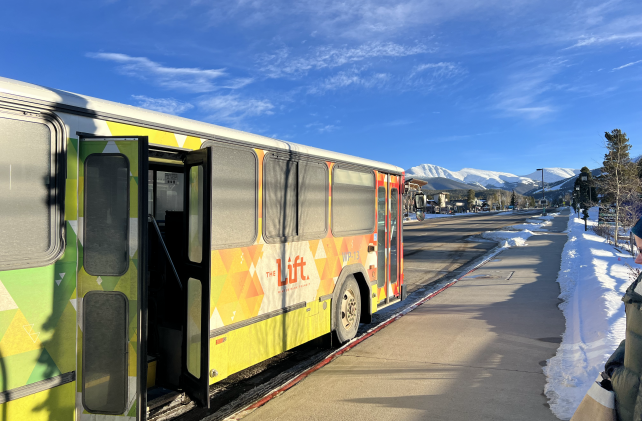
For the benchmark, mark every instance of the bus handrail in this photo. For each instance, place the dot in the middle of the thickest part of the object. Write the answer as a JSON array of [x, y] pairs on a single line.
[[169, 259]]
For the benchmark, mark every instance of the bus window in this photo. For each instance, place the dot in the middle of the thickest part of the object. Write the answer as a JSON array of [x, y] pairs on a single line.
[[106, 214], [353, 202], [393, 235], [26, 189], [296, 200], [195, 243], [104, 360], [280, 199], [313, 200], [234, 196]]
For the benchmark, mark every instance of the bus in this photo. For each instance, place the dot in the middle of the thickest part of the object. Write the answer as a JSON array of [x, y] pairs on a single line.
[[141, 250]]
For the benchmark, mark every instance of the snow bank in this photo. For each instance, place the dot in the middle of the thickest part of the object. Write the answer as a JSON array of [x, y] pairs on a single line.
[[593, 278], [508, 238]]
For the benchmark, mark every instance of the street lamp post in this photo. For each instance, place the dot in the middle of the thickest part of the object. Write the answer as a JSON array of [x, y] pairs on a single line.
[[543, 197], [585, 179]]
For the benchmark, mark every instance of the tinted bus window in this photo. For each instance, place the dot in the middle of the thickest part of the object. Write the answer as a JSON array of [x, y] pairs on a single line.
[[106, 214], [234, 197], [281, 215], [25, 182], [313, 199], [195, 230], [353, 202], [104, 360]]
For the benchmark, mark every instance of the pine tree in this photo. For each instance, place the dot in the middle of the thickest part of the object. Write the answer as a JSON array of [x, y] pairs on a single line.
[[513, 199], [471, 199], [619, 180]]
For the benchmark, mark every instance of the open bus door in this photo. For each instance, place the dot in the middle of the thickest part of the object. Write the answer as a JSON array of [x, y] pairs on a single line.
[[196, 264], [111, 276]]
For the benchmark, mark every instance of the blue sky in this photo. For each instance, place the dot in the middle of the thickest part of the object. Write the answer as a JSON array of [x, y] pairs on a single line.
[[491, 84]]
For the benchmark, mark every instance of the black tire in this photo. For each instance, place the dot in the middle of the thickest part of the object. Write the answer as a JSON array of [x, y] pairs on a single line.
[[347, 310]]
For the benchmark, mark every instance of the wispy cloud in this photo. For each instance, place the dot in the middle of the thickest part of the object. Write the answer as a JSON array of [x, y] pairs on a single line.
[[283, 63], [627, 65], [350, 78], [322, 128], [164, 105], [596, 40], [422, 77], [188, 79], [524, 94], [234, 108]]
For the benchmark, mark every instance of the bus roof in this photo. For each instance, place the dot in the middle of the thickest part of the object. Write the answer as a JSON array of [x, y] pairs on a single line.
[[170, 122]]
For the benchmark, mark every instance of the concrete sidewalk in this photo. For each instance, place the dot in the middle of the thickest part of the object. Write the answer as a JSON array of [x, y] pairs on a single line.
[[474, 352]]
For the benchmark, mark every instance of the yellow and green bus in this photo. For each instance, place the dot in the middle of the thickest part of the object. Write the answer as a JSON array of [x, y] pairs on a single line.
[[141, 250]]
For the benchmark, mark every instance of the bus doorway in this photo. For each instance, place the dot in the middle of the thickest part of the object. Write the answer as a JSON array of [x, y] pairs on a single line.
[[388, 225]]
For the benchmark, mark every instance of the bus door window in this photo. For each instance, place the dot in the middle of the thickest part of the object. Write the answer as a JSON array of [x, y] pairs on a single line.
[[394, 227], [381, 237]]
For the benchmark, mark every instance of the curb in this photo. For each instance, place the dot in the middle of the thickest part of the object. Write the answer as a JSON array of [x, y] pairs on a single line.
[[351, 344]]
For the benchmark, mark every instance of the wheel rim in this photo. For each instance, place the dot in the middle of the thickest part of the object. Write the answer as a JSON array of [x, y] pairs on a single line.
[[348, 309]]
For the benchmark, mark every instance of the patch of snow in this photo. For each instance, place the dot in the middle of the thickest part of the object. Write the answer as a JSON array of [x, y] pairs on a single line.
[[593, 278], [508, 238]]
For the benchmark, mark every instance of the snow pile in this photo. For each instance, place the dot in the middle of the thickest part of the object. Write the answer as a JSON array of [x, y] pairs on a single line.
[[593, 278], [533, 226], [508, 238]]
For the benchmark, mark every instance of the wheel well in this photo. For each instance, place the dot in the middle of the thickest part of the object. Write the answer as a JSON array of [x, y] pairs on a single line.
[[357, 270], [364, 290]]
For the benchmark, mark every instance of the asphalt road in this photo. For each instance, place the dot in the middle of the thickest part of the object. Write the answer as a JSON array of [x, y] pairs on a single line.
[[436, 248]]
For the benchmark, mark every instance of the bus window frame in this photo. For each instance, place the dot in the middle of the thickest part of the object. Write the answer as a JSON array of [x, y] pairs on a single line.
[[58, 176]]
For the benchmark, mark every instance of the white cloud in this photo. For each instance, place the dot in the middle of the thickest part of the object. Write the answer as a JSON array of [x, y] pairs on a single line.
[[189, 79], [351, 78], [233, 108], [628, 64], [164, 105], [283, 64]]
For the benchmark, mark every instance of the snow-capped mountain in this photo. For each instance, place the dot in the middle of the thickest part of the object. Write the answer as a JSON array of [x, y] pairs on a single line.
[[492, 179], [552, 175]]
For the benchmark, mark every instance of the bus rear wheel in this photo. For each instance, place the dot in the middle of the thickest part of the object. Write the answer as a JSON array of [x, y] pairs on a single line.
[[347, 311]]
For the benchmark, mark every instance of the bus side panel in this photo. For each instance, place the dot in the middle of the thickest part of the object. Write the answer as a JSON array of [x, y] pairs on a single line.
[[242, 348], [38, 326]]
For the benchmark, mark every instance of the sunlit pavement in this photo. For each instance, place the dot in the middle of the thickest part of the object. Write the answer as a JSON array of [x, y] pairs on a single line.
[[474, 352]]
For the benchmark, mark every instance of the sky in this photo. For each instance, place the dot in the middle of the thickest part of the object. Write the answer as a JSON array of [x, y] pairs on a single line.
[[490, 84]]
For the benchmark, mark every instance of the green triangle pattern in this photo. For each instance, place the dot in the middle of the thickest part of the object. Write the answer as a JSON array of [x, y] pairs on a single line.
[[45, 368], [109, 282]]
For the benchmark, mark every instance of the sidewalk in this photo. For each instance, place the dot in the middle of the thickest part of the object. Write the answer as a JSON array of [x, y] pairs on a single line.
[[475, 351]]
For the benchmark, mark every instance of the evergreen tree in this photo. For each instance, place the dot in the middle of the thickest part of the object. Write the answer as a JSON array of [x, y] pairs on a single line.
[[619, 179], [513, 199], [471, 199]]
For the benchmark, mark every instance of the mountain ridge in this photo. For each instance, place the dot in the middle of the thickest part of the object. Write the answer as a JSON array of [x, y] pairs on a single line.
[[492, 179]]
